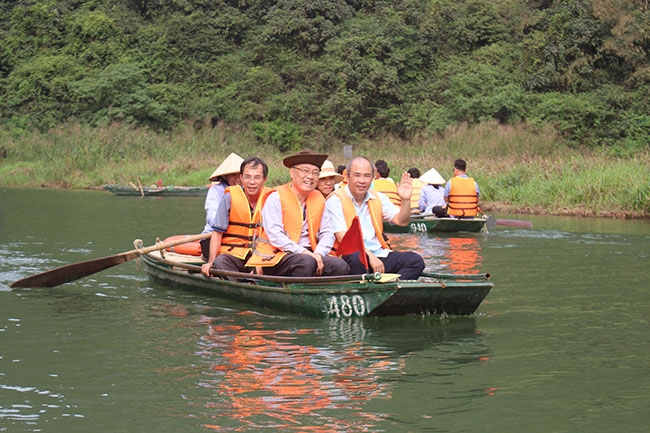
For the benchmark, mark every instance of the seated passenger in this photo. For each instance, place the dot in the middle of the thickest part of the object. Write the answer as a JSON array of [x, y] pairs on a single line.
[[328, 178], [433, 193], [385, 184], [237, 220], [417, 189], [461, 194], [297, 234], [227, 174], [372, 207]]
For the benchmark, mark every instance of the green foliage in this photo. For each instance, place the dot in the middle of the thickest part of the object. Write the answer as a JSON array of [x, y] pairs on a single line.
[[563, 49], [120, 93], [345, 69], [284, 136], [305, 26], [39, 89], [576, 117], [94, 38]]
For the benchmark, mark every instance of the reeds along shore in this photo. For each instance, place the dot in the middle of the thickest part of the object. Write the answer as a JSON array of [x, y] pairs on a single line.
[[518, 169]]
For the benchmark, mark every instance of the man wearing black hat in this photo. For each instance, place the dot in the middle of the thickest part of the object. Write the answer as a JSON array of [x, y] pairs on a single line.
[[297, 234]]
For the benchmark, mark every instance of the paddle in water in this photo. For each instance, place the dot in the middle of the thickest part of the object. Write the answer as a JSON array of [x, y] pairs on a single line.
[[75, 271], [493, 222]]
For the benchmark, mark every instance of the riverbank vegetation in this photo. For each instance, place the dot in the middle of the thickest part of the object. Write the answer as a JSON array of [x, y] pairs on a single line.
[[519, 169], [548, 100]]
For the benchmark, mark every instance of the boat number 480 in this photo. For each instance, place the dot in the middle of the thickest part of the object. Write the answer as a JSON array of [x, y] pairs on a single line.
[[346, 306]]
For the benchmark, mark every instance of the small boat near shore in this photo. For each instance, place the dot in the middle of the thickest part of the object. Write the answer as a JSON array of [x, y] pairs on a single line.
[[327, 297], [433, 224], [154, 191]]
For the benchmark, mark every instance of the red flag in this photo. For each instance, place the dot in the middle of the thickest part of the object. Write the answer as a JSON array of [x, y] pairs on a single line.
[[353, 242]]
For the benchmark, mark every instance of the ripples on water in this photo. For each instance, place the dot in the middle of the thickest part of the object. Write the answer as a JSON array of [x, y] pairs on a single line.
[[560, 344]]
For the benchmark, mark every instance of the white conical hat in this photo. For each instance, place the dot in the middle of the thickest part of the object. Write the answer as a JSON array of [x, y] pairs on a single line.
[[327, 170], [230, 165], [433, 177]]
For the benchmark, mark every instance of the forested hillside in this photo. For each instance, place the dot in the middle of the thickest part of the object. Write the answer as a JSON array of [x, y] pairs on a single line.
[[294, 69]]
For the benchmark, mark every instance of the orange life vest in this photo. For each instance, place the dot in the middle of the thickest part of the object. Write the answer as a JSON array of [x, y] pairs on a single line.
[[242, 223], [415, 197], [374, 205], [266, 254], [388, 188], [463, 200]]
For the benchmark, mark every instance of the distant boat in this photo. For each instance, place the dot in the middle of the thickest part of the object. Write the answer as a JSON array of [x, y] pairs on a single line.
[[165, 191], [431, 224]]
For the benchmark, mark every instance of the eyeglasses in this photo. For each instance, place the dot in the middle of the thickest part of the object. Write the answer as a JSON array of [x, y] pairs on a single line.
[[248, 178], [307, 172]]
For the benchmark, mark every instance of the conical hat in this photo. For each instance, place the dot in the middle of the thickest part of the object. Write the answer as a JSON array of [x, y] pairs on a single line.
[[327, 170], [433, 177], [230, 165]]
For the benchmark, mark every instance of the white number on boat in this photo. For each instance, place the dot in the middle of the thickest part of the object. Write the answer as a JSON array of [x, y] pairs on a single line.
[[418, 227], [346, 306]]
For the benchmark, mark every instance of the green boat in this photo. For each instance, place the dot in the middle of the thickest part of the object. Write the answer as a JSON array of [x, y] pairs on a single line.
[[433, 224], [328, 297], [148, 191]]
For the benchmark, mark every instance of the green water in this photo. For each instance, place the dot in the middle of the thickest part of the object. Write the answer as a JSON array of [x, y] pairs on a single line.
[[561, 344]]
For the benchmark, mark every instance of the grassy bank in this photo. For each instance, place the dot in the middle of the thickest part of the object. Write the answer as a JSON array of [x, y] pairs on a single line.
[[518, 169]]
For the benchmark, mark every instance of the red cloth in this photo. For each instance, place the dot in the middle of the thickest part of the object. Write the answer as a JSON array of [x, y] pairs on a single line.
[[353, 242]]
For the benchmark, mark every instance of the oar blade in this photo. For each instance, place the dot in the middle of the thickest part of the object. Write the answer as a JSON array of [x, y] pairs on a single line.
[[65, 274], [515, 223], [490, 223], [72, 272]]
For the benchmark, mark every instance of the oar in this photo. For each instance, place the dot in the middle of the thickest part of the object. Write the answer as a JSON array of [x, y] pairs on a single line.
[[515, 223], [444, 276], [492, 222], [75, 271]]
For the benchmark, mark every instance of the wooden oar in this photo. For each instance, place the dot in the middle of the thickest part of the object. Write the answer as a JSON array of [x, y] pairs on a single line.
[[492, 222], [75, 271], [515, 223], [443, 276]]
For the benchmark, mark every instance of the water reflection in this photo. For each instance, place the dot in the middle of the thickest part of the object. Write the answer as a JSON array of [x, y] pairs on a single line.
[[458, 253], [319, 378]]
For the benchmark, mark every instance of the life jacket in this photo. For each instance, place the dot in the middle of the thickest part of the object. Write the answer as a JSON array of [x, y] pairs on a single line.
[[463, 200], [376, 216], [389, 189], [266, 254], [415, 197], [243, 224]]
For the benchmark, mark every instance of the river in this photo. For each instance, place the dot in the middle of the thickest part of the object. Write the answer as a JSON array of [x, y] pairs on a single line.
[[561, 344]]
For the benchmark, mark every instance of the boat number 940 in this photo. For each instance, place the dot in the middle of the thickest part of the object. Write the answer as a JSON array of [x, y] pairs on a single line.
[[346, 306], [418, 227]]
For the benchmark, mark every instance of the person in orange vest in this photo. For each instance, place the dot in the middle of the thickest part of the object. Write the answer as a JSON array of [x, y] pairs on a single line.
[[461, 194], [237, 219], [297, 235], [417, 189], [227, 174], [372, 208], [385, 184], [344, 174]]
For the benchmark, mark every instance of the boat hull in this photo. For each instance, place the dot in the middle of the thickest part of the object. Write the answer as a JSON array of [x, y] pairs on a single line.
[[432, 224], [319, 297]]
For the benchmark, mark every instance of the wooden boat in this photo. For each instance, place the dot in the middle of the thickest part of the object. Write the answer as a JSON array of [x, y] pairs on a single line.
[[165, 191], [431, 223], [329, 297]]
